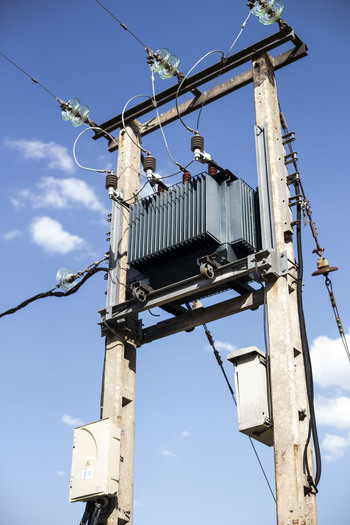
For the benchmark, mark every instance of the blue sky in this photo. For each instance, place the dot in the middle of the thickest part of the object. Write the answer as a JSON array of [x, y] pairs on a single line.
[[191, 462]]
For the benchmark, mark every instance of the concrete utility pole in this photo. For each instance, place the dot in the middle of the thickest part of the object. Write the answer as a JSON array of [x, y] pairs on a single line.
[[288, 385], [118, 398]]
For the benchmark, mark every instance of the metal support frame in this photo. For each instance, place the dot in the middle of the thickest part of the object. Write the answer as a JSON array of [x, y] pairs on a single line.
[[285, 35], [267, 265]]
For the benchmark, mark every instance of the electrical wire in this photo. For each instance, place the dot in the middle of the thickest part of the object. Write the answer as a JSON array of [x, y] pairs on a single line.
[[148, 50], [329, 287], [31, 78], [220, 72], [318, 250], [308, 368], [136, 194], [219, 361], [180, 171], [123, 121], [160, 125], [183, 80], [89, 509], [74, 154], [267, 346], [52, 293], [223, 58], [239, 34], [312, 430]]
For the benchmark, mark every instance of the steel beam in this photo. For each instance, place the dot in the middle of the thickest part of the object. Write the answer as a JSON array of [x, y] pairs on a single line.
[[286, 34], [268, 264], [197, 317]]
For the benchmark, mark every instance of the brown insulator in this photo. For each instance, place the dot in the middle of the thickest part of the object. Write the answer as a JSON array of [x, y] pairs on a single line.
[[111, 181], [212, 170], [197, 142], [323, 267], [186, 176], [149, 163]]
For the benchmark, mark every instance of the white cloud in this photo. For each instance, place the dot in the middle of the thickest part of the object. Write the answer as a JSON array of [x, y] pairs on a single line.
[[227, 347], [11, 235], [330, 364], [334, 447], [59, 193], [138, 504], [72, 421], [60, 473], [185, 433], [224, 346], [49, 235], [333, 412], [57, 156], [168, 453]]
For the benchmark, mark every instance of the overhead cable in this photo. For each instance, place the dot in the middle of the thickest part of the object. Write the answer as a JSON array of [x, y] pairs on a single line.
[[160, 125], [124, 126], [74, 154], [223, 60], [219, 361], [329, 287], [52, 293], [148, 49], [306, 210], [312, 430], [31, 78]]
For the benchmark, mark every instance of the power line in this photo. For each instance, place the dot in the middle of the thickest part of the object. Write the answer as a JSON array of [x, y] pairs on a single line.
[[51, 293], [148, 49], [223, 59], [219, 361], [31, 78]]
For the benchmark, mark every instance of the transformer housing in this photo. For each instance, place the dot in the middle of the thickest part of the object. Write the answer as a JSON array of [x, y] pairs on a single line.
[[206, 216]]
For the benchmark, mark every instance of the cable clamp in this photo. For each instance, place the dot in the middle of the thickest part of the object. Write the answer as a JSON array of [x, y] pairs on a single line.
[[268, 264]]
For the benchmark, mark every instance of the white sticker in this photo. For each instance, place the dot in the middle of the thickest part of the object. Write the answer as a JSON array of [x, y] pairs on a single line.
[[87, 473]]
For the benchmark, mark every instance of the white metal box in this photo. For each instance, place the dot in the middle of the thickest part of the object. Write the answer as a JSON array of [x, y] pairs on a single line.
[[95, 462], [251, 394]]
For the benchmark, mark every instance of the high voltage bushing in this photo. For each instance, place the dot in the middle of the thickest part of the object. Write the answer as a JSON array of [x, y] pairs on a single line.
[[149, 163], [212, 169], [197, 142], [186, 176], [111, 181]]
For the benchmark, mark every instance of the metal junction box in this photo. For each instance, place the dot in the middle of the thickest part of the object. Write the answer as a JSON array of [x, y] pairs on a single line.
[[251, 393], [170, 231], [95, 463]]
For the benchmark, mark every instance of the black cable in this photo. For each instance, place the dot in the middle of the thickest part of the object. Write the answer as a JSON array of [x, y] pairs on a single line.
[[52, 293], [307, 366], [219, 361], [89, 509], [312, 431], [103, 381], [31, 78]]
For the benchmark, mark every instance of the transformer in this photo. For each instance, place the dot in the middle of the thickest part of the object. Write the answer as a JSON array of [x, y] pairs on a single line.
[[171, 234]]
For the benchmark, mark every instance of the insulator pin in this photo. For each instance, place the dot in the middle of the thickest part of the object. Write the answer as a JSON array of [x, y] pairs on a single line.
[[197, 142], [149, 163], [111, 181], [186, 176]]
